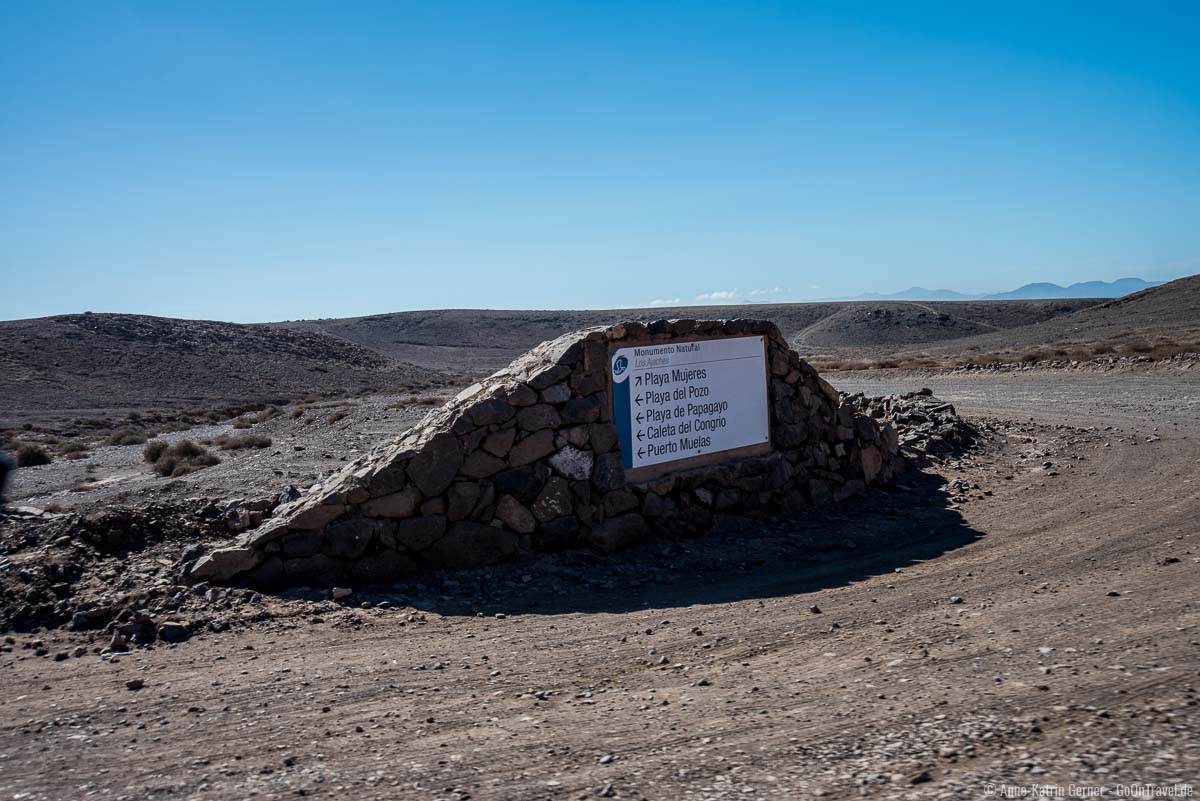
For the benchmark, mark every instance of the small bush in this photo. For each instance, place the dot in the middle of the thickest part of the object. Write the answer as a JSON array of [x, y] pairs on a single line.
[[183, 458], [32, 456], [242, 423], [74, 450], [127, 436], [336, 416], [154, 449], [231, 443]]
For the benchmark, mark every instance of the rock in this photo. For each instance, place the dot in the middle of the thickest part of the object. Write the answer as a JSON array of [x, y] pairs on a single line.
[[510, 512], [340, 593], [491, 411], [608, 473], [573, 463], [619, 502], [418, 533], [538, 417], [350, 538], [481, 464], [134, 684], [956, 599], [435, 466], [301, 543], [222, 565], [317, 571], [580, 410], [554, 501], [603, 437], [617, 533], [468, 544], [382, 568], [315, 515], [398, 504], [173, 631], [461, 499], [532, 448], [499, 443], [524, 483], [558, 393]]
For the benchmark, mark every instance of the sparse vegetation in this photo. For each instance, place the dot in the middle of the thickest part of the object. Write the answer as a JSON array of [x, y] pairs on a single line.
[[336, 416], [227, 442], [154, 449], [127, 436], [182, 458], [30, 455], [74, 451]]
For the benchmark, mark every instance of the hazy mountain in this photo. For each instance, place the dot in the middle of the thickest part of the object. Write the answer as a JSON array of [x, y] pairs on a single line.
[[1038, 291], [1085, 289]]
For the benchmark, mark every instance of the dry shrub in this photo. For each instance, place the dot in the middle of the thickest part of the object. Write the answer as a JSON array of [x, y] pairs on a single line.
[[32, 456], [227, 442], [127, 436], [182, 458], [242, 423], [154, 449], [336, 416], [74, 451]]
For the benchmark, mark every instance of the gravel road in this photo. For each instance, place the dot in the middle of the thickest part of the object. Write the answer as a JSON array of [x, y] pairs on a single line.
[[1028, 615]]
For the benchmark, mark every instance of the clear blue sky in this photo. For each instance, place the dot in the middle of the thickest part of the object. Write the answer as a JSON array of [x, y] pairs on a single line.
[[275, 160]]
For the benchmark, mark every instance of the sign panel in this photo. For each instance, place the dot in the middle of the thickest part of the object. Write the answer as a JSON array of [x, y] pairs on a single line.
[[683, 399]]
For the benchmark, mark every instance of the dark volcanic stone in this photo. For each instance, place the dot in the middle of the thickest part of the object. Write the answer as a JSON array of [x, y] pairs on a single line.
[[469, 544], [608, 474], [524, 483], [382, 568], [535, 446], [417, 533], [557, 535], [491, 411], [554, 501], [617, 533], [537, 417], [435, 466], [318, 570], [580, 410]]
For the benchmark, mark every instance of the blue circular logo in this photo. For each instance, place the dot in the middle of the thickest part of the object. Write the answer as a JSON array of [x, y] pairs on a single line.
[[620, 364]]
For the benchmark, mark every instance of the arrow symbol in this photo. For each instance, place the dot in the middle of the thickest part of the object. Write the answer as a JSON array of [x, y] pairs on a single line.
[[641, 435], [640, 417], [638, 400], [641, 452], [637, 379]]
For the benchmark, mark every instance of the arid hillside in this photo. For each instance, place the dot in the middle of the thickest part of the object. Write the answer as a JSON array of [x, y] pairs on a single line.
[[1158, 322], [484, 339], [105, 361]]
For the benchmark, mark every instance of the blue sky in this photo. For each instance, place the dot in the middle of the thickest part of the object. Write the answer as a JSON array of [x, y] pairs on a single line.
[[279, 160]]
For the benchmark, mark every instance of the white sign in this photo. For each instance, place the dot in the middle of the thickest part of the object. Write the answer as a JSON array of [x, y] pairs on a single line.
[[683, 399]]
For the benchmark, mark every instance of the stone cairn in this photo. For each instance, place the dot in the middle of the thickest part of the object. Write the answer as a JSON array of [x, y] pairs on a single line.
[[528, 460]]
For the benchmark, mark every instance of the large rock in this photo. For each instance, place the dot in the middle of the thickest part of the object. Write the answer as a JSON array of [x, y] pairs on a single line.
[[469, 544], [224, 564], [435, 466], [617, 533], [534, 447]]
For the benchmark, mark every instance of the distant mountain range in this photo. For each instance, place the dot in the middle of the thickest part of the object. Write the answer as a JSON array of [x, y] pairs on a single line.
[[1039, 291]]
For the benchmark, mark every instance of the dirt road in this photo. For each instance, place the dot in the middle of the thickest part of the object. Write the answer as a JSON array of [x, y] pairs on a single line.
[[1030, 615]]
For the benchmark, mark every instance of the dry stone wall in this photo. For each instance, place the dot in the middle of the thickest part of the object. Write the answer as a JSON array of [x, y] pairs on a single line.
[[528, 460]]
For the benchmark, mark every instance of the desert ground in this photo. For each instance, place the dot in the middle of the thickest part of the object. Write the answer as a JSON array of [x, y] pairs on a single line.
[[1020, 609]]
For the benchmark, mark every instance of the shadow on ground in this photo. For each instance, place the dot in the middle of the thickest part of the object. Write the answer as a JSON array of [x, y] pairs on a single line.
[[912, 521]]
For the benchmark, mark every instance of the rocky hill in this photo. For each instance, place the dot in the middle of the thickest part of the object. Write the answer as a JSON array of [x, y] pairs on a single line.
[[104, 361]]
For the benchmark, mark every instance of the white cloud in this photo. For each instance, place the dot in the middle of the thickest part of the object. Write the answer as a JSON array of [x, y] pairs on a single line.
[[718, 295], [665, 302], [737, 296]]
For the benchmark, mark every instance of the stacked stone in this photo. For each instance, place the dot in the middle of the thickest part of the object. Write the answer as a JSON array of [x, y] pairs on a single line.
[[528, 460]]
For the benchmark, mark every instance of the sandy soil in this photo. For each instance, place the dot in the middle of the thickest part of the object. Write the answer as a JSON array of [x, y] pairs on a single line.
[[1027, 615]]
